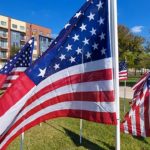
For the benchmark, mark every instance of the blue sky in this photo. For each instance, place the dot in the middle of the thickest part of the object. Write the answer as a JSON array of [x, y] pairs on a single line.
[[55, 14]]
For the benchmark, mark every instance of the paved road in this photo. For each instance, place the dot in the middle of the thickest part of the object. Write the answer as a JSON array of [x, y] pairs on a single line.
[[129, 92]]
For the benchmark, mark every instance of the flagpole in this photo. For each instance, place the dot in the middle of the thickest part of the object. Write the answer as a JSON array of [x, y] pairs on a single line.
[[114, 44], [21, 141], [81, 131], [125, 85]]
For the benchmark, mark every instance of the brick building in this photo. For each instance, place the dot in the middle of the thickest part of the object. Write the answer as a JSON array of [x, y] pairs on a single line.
[[15, 33]]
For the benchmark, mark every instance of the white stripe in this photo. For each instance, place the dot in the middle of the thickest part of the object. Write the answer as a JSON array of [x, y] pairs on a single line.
[[133, 123], [142, 125], [6, 85], [74, 105], [9, 116], [125, 124], [92, 66], [12, 77], [87, 86], [88, 67], [122, 78], [122, 75], [81, 87], [19, 69]]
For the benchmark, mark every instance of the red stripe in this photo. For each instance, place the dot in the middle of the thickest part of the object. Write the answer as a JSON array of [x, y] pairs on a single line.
[[100, 117], [105, 96], [3, 77], [129, 123], [137, 117], [86, 77], [123, 73], [16, 73], [58, 99], [15, 93], [125, 78]]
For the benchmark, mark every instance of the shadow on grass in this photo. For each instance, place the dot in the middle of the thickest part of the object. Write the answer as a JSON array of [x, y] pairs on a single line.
[[53, 127], [107, 145], [85, 142], [142, 139]]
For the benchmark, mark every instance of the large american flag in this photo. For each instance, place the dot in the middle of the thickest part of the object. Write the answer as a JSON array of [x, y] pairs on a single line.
[[137, 120], [123, 74], [73, 78], [16, 65]]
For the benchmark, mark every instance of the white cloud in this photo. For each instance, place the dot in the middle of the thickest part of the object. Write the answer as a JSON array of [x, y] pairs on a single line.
[[137, 29]]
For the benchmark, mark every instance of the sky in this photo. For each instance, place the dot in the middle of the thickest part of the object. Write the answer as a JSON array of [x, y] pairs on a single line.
[[54, 14]]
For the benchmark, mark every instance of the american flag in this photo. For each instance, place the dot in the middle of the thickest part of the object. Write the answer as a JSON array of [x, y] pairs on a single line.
[[123, 74], [137, 120], [16, 65], [73, 78]]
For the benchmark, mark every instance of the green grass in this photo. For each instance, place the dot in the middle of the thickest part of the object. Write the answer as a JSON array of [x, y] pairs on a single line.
[[130, 82], [63, 134]]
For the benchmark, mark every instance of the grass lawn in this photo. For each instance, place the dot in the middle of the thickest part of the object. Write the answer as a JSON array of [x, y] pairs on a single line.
[[130, 82], [63, 134]]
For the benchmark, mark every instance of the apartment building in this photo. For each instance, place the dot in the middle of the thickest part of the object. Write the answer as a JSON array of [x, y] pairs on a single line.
[[15, 33]]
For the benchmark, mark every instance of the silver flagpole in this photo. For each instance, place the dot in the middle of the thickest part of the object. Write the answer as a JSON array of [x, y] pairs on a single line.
[[81, 131], [114, 46], [125, 85], [21, 141]]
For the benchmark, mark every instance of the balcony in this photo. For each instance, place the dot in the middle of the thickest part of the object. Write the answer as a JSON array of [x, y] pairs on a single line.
[[4, 36], [3, 48]]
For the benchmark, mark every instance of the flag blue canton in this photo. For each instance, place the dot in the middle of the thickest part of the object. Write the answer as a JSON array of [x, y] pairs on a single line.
[[21, 59], [85, 38], [122, 66]]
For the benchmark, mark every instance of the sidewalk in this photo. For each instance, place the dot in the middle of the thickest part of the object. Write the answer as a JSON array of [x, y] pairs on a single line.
[[129, 92]]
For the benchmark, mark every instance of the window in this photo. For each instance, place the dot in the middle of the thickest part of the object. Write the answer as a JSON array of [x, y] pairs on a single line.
[[3, 33], [22, 27], [14, 26], [3, 23], [3, 54], [3, 44]]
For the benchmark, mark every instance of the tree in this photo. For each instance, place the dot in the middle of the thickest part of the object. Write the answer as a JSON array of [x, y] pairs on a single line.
[[130, 47], [14, 50]]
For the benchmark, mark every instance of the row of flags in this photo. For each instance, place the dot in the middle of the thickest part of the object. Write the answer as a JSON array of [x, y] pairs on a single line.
[[123, 73], [137, 120], [73, 78]]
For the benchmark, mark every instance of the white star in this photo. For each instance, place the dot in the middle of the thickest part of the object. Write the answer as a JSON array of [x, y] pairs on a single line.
[[88, 55], [42, 72], [91, 16], [95, 46], [62, 57], [103, 51], [102, 36], [56, 66], [86, 41], [76, 37], [83, 27], [93, 31], [72, 59], [101, 21], [100, 5], [79, 51], [67, 25], [69, 47], [78, 14]]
